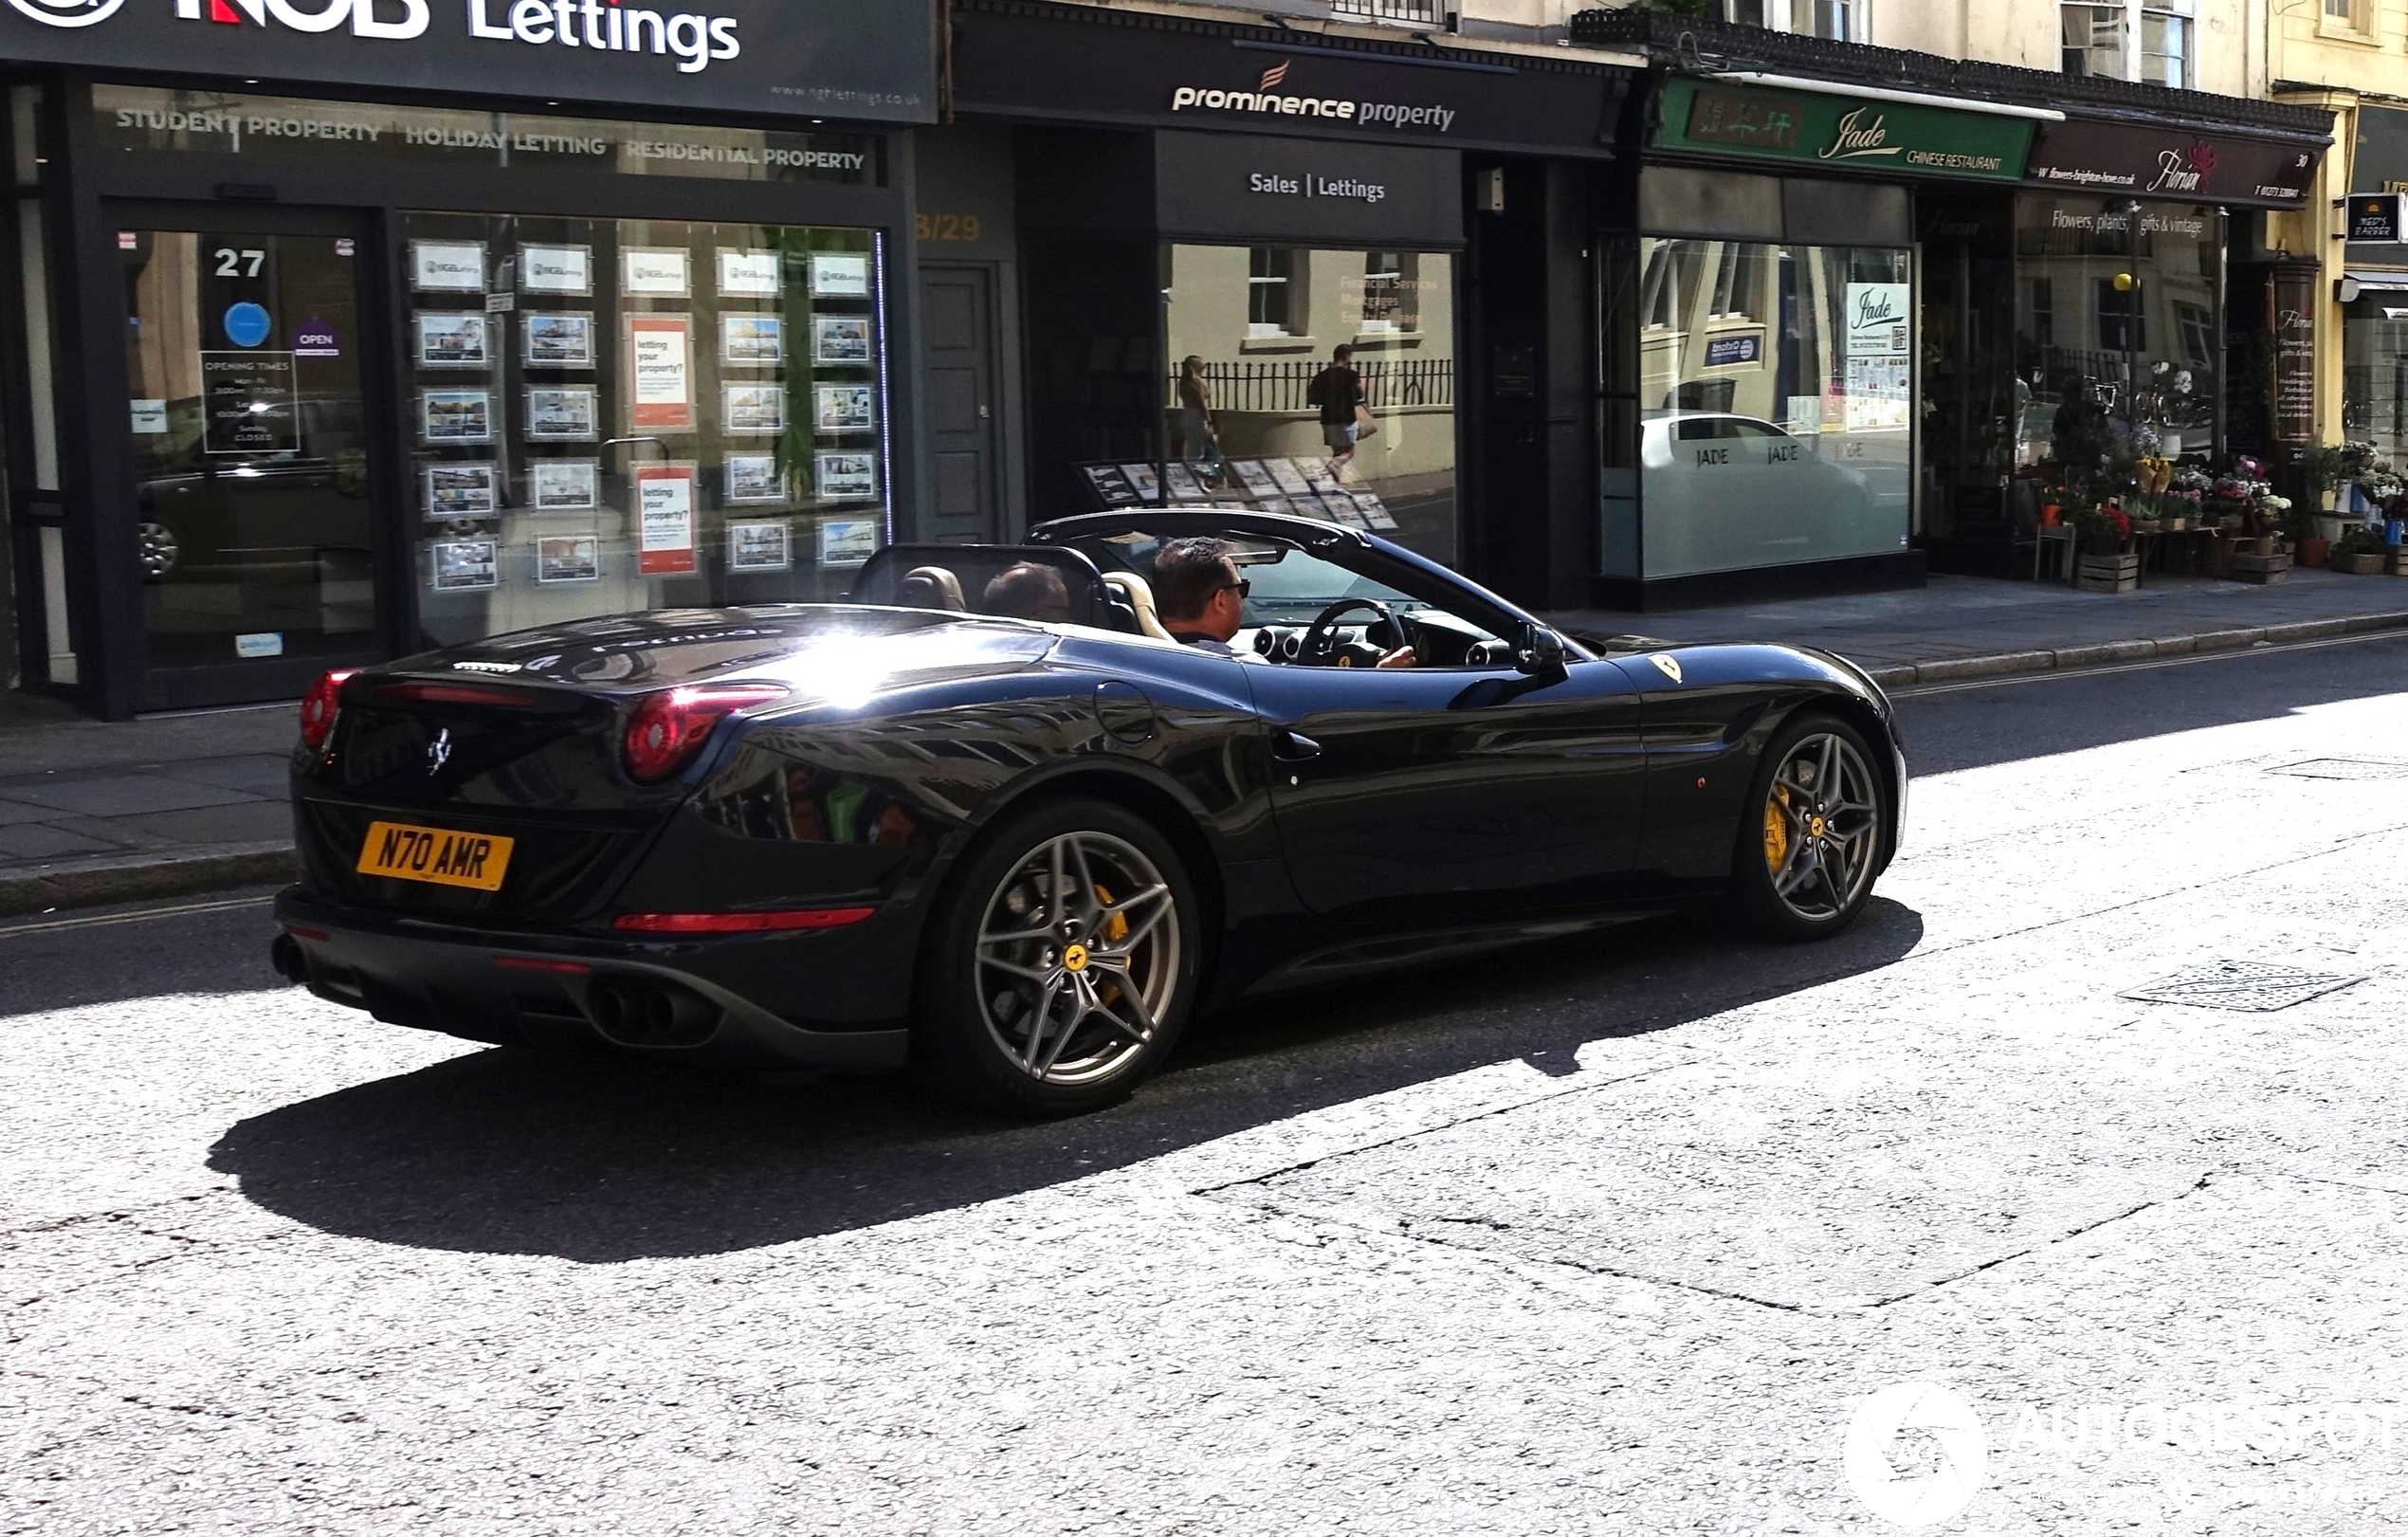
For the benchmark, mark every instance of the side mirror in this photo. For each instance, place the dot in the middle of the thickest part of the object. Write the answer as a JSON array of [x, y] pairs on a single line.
[[1539, 650]]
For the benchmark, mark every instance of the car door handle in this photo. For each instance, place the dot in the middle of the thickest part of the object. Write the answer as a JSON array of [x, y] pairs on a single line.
[[1294, 747]]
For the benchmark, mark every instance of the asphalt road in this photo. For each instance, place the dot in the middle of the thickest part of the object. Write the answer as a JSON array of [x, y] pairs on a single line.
[[1620, 1235]]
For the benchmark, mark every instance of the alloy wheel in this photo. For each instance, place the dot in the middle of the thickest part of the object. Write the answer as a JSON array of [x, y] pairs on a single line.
[[1078, 957], [1822, 826]]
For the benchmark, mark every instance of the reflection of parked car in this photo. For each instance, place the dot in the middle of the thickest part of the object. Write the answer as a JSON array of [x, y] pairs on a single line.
[[1725, 491], [212, 516]]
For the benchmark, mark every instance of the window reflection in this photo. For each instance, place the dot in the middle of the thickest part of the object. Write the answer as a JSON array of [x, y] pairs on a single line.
[[2127, 318], [1775, 388], [1261, 410]]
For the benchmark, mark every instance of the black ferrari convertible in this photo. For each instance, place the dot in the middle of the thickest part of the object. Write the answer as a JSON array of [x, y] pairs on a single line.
[[1021, 853]]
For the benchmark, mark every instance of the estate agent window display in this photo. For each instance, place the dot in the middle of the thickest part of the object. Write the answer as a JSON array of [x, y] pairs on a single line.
[[614, 415]]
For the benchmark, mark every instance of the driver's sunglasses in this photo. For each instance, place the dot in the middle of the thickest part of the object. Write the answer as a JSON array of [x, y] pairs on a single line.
[[1243, 589]]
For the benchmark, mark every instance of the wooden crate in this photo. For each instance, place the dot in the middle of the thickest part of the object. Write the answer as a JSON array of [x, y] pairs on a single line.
[[2400, 561], [2108, 573], [2263, 570]]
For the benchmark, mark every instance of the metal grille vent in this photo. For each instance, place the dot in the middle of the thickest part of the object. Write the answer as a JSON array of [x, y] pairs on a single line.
[[2243, 986], [2345, 768]]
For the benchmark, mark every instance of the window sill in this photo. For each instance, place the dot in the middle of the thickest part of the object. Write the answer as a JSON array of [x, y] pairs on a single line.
[[1276, 344], [2332, 32], [1380, 340]]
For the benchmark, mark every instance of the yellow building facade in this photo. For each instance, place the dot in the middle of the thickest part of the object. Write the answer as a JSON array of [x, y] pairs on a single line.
[[2351, 57]]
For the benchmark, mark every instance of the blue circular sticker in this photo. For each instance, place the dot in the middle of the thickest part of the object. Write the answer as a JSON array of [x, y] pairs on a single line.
[[248, 324]]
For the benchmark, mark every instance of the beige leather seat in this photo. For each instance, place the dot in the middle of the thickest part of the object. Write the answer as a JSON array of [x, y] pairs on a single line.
[[1139, 597], [931, 587]]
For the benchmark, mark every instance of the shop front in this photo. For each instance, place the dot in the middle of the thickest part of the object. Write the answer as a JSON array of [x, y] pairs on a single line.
[[2119, 296], [2372, 291], [1762, 330], [1302, 273], [320, 366]]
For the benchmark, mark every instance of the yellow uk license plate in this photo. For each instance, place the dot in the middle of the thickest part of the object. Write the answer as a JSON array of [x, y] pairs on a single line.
[[476, 860]]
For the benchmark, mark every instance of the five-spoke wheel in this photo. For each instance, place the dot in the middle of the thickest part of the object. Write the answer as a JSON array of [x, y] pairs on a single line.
[[1065, 964], [1807, 861]]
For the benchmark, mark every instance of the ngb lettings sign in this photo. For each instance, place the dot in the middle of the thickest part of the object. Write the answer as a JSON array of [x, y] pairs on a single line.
[[834, 57]]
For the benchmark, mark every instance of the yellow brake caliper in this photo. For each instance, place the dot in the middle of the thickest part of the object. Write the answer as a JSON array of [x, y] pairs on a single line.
[[1116, 928], [1777, 830]]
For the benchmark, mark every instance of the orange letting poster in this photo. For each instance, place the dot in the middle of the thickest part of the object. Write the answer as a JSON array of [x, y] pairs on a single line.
[[660, 353], [664, 520]]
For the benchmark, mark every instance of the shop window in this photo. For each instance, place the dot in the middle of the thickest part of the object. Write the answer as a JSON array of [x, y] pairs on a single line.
[[2166, 48], [2093, 37], [1274, 432], [2149, 358], [1271, 292], [2349, 15], [1764, 443], [2375, 373], [612, 415]]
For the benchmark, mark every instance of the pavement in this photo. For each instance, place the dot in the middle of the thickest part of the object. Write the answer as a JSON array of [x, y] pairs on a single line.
[[93, 813], [1973, 626], [1641, 1233], [98, 811]]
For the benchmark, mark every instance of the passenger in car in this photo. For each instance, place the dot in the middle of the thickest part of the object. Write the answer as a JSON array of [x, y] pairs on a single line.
[[1028, 590]]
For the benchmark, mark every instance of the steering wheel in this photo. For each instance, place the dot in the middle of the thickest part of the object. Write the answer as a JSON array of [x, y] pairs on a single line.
[[1320, 637]]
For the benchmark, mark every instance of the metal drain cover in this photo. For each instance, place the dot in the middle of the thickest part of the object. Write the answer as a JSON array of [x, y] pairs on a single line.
[[2243, 986], [2345, 768]]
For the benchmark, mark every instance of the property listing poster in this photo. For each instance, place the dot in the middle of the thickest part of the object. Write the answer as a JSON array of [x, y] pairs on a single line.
[[660, 366], [665, 503]]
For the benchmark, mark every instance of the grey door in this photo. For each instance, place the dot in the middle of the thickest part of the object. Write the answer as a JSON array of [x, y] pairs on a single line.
[[958, 364]]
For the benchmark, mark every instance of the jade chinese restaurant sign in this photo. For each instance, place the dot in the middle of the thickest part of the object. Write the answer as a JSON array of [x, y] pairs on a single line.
[[1841, 133]]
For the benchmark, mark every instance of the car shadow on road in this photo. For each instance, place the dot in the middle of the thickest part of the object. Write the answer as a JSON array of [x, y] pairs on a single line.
[[598, 1160]]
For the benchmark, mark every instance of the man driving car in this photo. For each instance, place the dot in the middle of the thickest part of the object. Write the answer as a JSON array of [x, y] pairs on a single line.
[[1202, 599]]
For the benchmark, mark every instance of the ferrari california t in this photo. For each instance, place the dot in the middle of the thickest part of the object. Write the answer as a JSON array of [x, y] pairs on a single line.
[[992, 819]]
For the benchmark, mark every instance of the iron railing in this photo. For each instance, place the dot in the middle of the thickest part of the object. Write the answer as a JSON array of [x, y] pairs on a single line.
[[1410, 12], [1274, 388]]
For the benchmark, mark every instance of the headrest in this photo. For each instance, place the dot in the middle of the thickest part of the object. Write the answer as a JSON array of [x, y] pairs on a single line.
[[931, 587]]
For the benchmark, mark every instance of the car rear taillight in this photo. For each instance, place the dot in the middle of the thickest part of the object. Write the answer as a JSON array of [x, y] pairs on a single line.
[[670, 728], [319, 706], [741, 922]]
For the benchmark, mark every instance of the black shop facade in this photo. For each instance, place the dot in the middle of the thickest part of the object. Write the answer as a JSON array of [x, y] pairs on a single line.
[[347, 331], [1209, 211]]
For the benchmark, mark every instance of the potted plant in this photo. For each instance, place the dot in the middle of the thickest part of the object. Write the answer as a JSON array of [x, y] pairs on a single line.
[[2321, 468], [2304, 527], [2104, 565], [2360, 552]]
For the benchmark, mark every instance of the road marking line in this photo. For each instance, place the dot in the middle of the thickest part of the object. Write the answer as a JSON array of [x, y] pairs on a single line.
[[103, 920], [2238, 653]]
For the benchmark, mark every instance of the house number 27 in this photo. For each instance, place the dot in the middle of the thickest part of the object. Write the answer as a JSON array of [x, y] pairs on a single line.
[[234, 264]]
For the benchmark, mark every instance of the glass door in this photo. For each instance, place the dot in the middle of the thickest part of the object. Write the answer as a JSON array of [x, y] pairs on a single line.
[[254, 464]]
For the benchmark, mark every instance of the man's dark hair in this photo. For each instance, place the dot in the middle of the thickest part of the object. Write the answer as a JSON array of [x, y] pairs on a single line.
[[1187, 573], [1345, 353], [1029, 591]]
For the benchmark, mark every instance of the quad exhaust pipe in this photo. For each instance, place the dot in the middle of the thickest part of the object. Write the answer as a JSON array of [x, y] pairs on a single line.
[[637, 1012]]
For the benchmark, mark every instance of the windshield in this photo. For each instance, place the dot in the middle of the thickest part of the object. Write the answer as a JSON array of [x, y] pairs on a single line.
[[1287, 585]]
